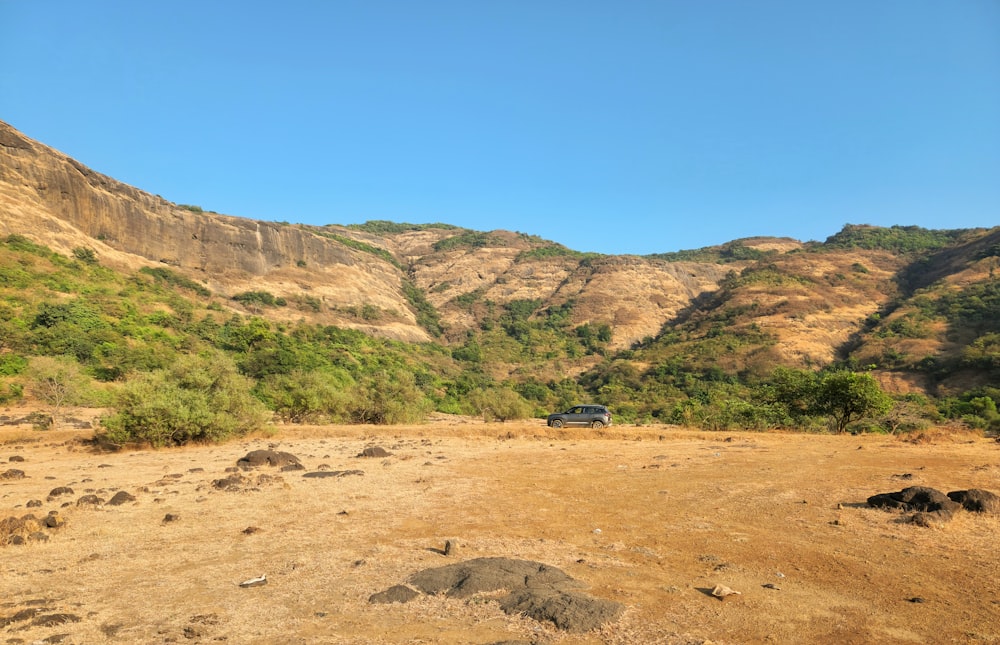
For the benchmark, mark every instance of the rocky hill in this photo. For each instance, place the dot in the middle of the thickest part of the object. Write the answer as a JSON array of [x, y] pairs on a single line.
[[59, 202], [919, 308]]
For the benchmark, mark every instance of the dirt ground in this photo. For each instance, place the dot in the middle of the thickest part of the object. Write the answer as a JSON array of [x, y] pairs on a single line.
[[651, 517]]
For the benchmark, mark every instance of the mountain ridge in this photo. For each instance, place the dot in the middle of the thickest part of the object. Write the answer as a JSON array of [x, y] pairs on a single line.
[[914, 307]]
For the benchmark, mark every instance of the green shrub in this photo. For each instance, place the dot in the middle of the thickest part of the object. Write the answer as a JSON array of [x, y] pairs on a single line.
[[388, 398], [499, 404], [308, 397], [85, 255], [162, 274], [197, 399]]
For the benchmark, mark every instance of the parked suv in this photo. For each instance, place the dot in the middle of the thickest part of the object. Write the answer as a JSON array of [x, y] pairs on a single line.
[[595, 416]]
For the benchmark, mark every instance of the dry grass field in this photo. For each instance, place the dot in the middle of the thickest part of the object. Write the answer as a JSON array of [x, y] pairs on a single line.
[[651, 517]]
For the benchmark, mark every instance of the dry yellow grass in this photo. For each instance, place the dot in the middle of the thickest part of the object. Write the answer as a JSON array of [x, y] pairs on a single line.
[[677, 511]]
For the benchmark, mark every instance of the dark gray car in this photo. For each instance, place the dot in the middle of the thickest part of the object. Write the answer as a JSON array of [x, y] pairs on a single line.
[[595, 416]]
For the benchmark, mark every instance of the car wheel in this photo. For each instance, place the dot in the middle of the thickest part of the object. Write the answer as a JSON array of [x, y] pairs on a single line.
[[597, 425], [557, 423]]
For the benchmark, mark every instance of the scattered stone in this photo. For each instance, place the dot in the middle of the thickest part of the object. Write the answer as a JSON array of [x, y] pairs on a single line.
[[15, 458], [976, 500], [24, 614], [321, 474], [273, 458], [53, 620], [89, 500], [292, 467], [60, 490], [915, 599], [771, 585], [121, 497], [34, 503], [171, 517], [250, 530], [237, 482], [396, 593], [18, 530], [374, 451], [450, 546], [54, 520], [254, 582], [205, 619], [12, 473], [722, 591]]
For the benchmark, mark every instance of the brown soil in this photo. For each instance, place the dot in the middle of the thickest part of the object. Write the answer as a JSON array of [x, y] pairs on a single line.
[[653, 518]]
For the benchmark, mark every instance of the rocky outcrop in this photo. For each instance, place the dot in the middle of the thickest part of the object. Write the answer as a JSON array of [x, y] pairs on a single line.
[[61, 203]]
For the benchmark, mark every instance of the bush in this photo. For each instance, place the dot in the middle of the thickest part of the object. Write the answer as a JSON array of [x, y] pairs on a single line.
[[197, 399], [389, 398], [500, 404], [307, 397]]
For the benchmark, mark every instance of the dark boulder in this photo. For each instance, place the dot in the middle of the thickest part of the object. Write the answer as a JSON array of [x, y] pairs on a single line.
[[536, 590], [919, 499], [273, 458], [976, 500], [120, 498]]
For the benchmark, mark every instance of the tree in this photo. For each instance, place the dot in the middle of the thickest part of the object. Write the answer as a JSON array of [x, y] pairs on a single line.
[[848, 396], [56, 381]]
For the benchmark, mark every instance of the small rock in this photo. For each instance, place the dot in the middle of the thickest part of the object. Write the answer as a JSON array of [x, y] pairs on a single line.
[[257, 458], [60, 490], [722, 591], [254, 582], [120, 498], [396, 593], [171, 517]]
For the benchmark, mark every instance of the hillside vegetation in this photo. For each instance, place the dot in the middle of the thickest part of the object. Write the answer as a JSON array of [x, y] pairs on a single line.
[[191, 325], [175, 362]]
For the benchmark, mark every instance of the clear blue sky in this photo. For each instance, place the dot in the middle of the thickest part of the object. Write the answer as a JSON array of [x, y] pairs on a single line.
[[616, 126]]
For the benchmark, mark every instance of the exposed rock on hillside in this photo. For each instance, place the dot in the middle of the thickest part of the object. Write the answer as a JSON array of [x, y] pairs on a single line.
[[59, 202]]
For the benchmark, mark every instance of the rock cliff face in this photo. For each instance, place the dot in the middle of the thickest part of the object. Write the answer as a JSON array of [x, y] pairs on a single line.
[[58, 202]]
